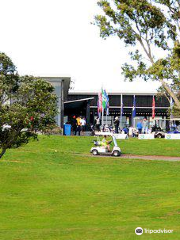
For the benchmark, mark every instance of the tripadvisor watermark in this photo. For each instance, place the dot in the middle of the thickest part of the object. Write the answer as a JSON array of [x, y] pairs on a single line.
[[140, 231]]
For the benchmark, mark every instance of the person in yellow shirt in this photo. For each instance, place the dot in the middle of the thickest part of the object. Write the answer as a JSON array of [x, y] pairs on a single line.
[[106, 143], [78, 129]]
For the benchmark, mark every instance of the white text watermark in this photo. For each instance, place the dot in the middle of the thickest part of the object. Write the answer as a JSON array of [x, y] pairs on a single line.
[[140, 231]]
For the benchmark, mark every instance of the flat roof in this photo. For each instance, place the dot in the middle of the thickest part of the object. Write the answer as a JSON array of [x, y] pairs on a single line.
[[76, 92]]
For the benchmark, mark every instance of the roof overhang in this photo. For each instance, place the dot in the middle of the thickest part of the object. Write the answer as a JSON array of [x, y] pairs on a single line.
[[79, 100], [76, 103], [73, 92]]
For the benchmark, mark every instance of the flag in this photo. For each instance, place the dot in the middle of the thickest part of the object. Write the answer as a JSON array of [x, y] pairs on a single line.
[[103, 99], [107, 102], [153, 108], [99, 104], [171, 107], [134, 107], [122, 108]]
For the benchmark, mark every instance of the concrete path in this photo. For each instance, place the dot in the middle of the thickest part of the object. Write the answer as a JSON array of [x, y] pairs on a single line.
[[130, 156], [164, 158]]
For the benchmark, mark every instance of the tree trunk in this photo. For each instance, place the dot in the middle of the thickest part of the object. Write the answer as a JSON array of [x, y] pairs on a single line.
[[171, 93], [2, 152], [164, 84]]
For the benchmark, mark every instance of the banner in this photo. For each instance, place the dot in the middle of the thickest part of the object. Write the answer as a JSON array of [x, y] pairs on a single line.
[[172, 136], [99, 105], [153, 108], [103, 100], [121, 107], [107, 102], [103, 104], [171, 107], [146, 136], [134, 107]]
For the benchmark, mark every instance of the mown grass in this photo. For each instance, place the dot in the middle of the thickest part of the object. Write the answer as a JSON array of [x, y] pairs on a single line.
[[52, 189]]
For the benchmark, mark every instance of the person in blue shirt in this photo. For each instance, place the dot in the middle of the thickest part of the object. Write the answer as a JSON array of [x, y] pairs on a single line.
[[139, 127], [126, 130]]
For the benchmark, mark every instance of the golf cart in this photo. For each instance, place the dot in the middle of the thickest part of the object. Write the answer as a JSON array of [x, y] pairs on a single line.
[[101, 148]]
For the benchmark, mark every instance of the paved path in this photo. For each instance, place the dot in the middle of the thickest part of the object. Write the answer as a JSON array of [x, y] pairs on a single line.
[[130, 156], [164, 158]]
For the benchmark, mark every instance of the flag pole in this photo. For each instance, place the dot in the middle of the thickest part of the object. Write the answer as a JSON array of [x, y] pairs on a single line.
[[102, 116], [107, 107], [106, 117], [102, 107], [133, 111], [121, 113]]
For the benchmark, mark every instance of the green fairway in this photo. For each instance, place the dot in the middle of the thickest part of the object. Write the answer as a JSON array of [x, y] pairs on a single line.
[[52, 189]]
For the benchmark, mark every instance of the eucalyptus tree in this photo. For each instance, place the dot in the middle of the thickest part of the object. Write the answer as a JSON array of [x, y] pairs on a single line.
[[151, 30]]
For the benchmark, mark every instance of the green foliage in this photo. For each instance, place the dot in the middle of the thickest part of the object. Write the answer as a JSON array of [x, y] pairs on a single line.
[[153, 25], [9, 79], [132, 20], [27, 105]]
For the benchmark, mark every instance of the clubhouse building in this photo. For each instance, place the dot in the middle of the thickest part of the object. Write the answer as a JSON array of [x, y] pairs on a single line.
[[85, 104]]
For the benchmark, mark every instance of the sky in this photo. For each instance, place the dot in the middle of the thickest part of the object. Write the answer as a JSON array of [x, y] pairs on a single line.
[[56, 38]]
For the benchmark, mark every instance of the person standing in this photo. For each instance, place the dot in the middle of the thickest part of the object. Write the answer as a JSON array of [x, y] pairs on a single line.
[[144, 126], [126, 130], [139, 127], [97, 124], [78, 129], [173, 126], [83, 124], [74, 125], [116, 124]]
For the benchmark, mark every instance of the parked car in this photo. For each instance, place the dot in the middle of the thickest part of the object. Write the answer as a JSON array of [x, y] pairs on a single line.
[[174, 132], [158, 132]]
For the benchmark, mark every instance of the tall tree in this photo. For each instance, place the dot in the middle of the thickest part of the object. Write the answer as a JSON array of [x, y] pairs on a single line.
[[27, 105], [152, 29]]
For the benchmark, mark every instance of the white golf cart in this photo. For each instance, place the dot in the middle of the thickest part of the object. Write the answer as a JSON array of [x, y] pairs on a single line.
[[99, 148]]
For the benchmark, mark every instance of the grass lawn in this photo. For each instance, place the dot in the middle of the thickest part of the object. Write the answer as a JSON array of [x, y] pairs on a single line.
[[52, 190]]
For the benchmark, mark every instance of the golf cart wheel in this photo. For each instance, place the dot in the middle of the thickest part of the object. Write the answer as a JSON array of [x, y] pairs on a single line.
[[159, 136], [116, 153], [94, 152]]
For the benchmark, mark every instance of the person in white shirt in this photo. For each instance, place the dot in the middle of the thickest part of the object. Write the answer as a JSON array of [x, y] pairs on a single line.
[[97, 124], [83, 124], [144, 126]]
